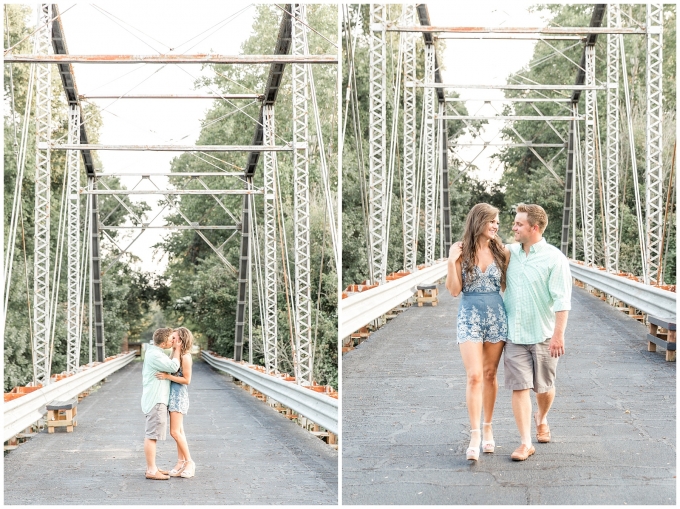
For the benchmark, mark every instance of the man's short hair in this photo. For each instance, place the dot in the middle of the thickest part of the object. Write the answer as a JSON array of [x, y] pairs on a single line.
[[160, 336], [535, 215]]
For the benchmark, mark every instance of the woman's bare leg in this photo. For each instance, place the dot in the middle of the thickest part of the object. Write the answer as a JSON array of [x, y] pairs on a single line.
[[492, 356], [472, 355], [177, 432]]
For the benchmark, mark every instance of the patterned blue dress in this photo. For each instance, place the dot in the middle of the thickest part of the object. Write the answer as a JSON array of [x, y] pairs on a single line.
[[179, 396], [481, 314]]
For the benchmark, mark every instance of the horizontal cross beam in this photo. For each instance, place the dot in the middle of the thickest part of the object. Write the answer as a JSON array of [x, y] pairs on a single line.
[[511, 145], [172, 174], [506, 87], [178, 148], [170, 227], [172, 59], [509, 117], [206, 192], [517, 30], [511, 37], [257, 97], [509, 100]]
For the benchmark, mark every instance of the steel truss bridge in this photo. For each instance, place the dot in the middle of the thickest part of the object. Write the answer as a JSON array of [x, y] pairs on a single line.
[[83, 233], [426, 148]]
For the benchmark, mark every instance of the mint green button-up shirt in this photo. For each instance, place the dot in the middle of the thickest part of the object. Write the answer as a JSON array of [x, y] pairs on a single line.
[[154, 390], [537, 286]]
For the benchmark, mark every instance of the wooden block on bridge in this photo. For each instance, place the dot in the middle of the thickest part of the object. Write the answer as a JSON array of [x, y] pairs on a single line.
[[664, 338], [427, 294], [61, 414]]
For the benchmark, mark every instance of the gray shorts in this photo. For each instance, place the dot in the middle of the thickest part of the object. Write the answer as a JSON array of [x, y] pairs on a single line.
[[529, 367], [156, 422]]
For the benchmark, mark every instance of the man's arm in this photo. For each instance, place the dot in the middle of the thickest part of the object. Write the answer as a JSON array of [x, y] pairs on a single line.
[[557, 341], [163, 363]]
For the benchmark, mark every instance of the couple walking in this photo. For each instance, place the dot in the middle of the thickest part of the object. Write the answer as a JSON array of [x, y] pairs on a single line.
[[164, 392], [527, 322]]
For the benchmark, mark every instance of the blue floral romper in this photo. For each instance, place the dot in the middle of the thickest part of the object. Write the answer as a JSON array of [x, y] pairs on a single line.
[[481, 315], [179, 396]]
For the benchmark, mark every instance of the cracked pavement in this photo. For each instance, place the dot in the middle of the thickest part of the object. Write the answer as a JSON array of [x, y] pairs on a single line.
[[405, 425]]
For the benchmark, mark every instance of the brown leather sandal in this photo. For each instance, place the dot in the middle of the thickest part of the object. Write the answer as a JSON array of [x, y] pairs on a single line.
[[542, 432], [522, 452], [157, 476]]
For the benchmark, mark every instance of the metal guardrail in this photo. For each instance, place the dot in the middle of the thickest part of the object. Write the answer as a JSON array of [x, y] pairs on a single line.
[[20, 413], [649, 300], [361, 308], [319, 408]]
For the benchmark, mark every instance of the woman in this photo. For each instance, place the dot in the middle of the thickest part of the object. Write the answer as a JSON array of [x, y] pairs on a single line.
[[477, 267], [178, 406]]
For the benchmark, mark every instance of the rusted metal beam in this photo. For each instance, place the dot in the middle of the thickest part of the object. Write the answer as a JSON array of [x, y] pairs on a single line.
[[170, 227], [509, 117], [519, 30], [510, 87], [173, 192], [258, 97], [511, 37], [176, 148], [172, 174], [172, 59]]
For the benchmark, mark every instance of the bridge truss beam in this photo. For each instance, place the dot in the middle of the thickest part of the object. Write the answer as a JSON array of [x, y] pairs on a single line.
[[377, 132], [654, 174], [73, 250], [429, 150], [41, 261], [303, 308], [410, 212], [613, 145]]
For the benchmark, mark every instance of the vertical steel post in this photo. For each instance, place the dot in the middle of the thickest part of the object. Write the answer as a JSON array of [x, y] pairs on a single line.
[[242, 274], [270, 273], [589, 181], [41, 257], [303, 308], [377, 139], [95, 273], [409, 213], [654, 171], [430, 149], [568, 185], [444, 164], [613, 146], [73, 236]]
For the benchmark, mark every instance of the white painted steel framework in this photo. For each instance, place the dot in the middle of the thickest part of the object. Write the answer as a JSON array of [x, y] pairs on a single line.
[[430, 158], [270, 273], [377, 139], [410, 215], [41, 262], [303, 308], [613, 145], [589, 160], [73, 235], [654, 174]]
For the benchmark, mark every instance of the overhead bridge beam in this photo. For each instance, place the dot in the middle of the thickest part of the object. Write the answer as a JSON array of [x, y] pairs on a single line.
[[172, 59], [257, 97], [510, 100], [173, 174], [170, 227], [510, 87], [177, 148], [519, 30], [507, 117], [511, 37], [173, 192]]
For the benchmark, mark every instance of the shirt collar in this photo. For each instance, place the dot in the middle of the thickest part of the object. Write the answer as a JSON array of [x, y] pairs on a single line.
[[535, 248]]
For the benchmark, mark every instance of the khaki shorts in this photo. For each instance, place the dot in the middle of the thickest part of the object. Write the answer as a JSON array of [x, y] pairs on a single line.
[[529, 367], [156, 422]]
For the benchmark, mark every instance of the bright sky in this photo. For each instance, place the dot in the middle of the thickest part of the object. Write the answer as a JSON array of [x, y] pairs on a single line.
[[484, 62], [155, 28], [145, 29]]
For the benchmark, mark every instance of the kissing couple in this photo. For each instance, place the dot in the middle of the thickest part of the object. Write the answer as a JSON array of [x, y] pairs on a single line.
[[165, 382]]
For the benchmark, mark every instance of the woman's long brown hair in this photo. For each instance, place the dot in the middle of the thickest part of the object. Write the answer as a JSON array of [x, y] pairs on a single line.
[[477, 221]]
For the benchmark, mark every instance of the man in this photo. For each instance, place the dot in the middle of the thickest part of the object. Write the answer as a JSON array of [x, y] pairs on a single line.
[[537, 302], [155, 395]]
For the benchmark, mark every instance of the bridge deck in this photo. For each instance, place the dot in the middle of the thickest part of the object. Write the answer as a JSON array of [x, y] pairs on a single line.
[[245, 452], [405, 426]]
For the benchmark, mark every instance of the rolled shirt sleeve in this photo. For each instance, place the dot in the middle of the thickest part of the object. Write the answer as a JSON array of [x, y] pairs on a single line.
[[163, 363], [559, 285]]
